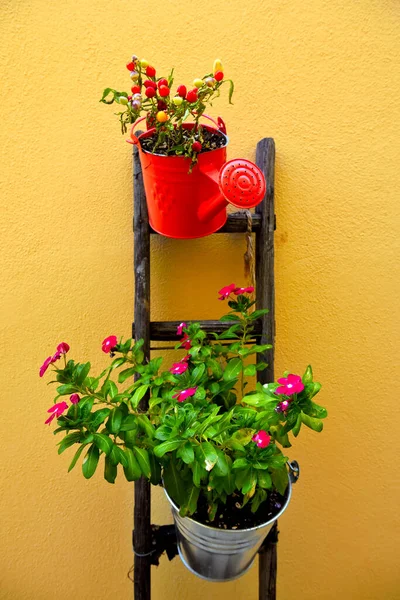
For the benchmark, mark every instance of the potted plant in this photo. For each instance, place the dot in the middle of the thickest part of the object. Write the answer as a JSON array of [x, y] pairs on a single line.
[[187, 180], [211, 439]]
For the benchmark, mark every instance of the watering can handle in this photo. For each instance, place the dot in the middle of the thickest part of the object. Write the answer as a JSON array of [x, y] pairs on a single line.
[[134, 139], [219, 124]]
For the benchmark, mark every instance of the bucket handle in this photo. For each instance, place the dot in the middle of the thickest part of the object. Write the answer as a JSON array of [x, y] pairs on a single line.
[[219, 124], [134, 139], [294, 470]]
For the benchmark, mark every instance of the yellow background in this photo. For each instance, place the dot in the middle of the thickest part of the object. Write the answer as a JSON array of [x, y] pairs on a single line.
[[322, 78]]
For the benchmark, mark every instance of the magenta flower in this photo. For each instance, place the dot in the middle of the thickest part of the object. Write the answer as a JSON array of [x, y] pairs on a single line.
[[181, 396], [62, 348], [282, 406], [185, 342], [291, 384], [56, 410], [74, 398], [179, 331], [109, 343], [226, 291], [262, 439], [45, 366], [56, 356], [245, 290], [179, 368]]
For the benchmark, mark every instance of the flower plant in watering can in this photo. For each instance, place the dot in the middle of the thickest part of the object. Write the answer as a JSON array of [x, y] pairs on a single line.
[[216, 444], [187, 181]]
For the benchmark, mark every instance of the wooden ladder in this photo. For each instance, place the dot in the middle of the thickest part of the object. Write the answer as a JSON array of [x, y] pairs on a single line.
[[263, 225]]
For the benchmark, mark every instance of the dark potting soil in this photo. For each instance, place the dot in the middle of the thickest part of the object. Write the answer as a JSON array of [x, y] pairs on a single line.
[[211, 141], [231, 516]]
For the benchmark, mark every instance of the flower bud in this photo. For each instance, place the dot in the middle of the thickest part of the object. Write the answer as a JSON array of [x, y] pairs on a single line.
[[136, 105], [134, 75]]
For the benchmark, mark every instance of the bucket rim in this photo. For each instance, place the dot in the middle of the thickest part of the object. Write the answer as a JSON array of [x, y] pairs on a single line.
[[236, 531], [150, 132]]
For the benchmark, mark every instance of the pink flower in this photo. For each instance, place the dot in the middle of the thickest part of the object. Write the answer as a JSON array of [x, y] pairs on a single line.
[[178, 368], [262, 439], [282, 406], [245, 290], [56, 410], [179, 331], [45, 366], [291, 384], [74, 398], [226, 291], [109, 343], [181, 396], [56, 356], [185, 358], [63, 348], [185, 342]]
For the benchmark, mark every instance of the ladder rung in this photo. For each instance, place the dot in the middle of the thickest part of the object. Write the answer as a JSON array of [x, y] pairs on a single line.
[[165, 331], [237, 223]]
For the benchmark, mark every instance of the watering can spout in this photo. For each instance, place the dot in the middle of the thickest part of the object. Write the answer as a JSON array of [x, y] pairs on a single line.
[[240, 183]]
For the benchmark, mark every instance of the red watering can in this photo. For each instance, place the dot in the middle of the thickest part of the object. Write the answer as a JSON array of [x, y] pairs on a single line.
[[190, 205]]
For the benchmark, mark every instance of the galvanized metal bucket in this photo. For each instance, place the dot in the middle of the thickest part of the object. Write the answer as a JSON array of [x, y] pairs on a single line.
[[222, 554]]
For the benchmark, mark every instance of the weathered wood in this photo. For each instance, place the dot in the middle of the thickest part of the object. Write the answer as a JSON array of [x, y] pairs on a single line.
[[265, 295], [165, 331], [237, 223], [142, 508], [269, 562]]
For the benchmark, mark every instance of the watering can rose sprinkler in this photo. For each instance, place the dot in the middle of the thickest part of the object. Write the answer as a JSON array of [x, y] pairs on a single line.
[[190, 205]]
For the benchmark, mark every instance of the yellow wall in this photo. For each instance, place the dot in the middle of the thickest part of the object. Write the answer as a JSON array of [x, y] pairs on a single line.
[[322, 78]]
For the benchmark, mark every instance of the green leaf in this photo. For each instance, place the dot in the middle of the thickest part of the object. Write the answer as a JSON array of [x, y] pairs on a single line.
[[279, 479], [123, 375], [81, 373], [233, 369], [129, 423], [199, 473], [308, 375], [312, 423], [231, 90], [68, 388], [69, 440], [110, 470], [90, 462], [118, 455], [186, 453], [138, 395], [259, 497], [115, 420], [174, 483], [209, 454], [98, 417], [249, 483], [318, 411], [258, 313], [221, 467], [75, 459], [155, 478], [103, 442], [190, 503], [250, 370], [132, 470], [297, 427], [145, 425], [197, 373], [264, 479], [165, 447], [142, 456], [240, 463]]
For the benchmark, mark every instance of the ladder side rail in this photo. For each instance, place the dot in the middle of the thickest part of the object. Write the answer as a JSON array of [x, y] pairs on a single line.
[[265, 298]]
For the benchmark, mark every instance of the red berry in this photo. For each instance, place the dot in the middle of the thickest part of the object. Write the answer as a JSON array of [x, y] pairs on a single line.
[[164, 91], [162, 82], [161, 105], [181, 91], [135, 89], [192, 95], [219, 75], [150, 71], [131, 66], [150, 92], [196, 147], [151, 84]]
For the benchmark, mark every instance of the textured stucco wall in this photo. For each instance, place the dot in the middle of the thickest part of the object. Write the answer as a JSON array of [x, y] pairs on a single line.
[[320, 77]]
